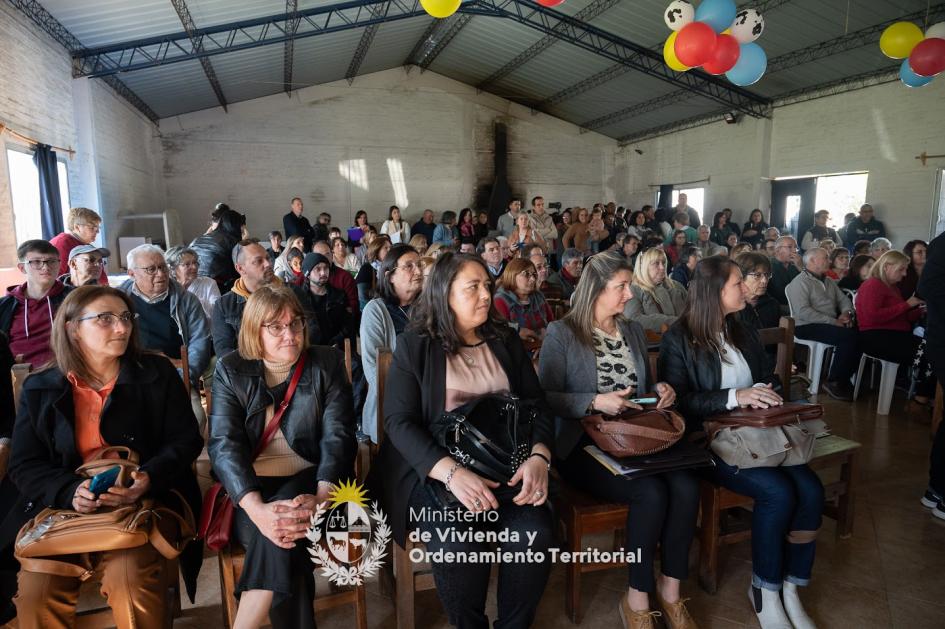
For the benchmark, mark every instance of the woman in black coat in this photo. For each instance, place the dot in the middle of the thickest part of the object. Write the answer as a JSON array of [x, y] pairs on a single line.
[[143, 406], [455, 350], [313, 448], [717, 364], [215, 248]]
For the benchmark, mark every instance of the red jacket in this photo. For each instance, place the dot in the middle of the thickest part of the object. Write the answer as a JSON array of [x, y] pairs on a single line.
[[28, 322], [64, 244], [881, 307]]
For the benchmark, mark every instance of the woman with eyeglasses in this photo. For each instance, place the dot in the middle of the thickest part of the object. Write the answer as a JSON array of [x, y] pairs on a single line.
[[400, 280], [313, 448], [761, 309], [520, 302], [101, 390], [82, 225], [184, 264]]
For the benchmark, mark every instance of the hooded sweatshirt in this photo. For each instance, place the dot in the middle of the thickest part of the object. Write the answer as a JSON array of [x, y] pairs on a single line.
[[31, 322]]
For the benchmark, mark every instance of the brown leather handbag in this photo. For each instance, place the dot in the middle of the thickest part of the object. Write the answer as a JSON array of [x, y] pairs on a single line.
[[53, 533], [635, 433]]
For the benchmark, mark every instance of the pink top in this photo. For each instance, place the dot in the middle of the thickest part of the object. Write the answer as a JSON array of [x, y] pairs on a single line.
[[881, 307], [473, 372]]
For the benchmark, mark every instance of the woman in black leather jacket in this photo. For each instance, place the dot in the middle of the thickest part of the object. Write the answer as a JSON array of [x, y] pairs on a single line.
[[313, 448], [454, 350], [215, 248], [715, 363]]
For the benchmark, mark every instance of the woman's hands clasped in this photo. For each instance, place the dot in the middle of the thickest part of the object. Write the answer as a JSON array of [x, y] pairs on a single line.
[[533, 474], [758, 397]]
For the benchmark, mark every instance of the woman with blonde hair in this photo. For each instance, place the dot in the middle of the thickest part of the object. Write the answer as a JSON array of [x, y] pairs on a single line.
[[658, 299], [886, 320], [312, 449], [82, 225], [524, 235], [419, 243], [578, 233]]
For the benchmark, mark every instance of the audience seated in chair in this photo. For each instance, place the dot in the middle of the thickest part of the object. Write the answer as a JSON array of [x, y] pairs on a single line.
[[520, 303], [657, 299], [118, 395], [566, 278], [185, 268], [83, 226], [313, 448], [86, 264]]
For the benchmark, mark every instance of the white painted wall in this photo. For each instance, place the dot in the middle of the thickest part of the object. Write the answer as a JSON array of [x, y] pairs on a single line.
[[117, 165], [438, 132], [878, 129]]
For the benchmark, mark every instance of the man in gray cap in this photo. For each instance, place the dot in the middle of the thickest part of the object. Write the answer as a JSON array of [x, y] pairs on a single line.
[[85, 266]]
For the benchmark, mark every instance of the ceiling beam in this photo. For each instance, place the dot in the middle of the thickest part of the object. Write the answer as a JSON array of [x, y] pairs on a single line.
[[437, 37], [54, 28], [612, 72], [288, 51], [180, 6], [364, 44], [586, 14], [610, 46], [151, 52]]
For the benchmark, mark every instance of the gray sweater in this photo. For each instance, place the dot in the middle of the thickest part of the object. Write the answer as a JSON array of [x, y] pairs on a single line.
[[813, 300], [377, 331], [567, 370], [653, 309]]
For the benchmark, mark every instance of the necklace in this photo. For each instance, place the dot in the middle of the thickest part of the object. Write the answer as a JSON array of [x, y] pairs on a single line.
[[468, 358]]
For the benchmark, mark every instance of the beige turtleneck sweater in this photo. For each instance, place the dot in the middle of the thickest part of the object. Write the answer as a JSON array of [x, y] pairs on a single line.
[[278, 458]]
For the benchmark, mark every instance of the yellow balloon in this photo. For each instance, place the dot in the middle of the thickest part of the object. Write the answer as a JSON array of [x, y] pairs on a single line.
[[898, 40], [727, 31], [440, 8], [669, 54]]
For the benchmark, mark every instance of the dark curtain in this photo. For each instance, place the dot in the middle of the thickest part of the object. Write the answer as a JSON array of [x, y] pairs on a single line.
[[664, 202], [50, 206]]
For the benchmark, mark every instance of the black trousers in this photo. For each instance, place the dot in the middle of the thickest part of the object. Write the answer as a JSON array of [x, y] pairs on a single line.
[[899, 347], [846, 356], [937, 456], [462, 587], [288, 574], [663, 509]]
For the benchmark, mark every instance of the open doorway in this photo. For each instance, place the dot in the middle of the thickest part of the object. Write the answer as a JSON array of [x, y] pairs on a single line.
[[794, 200]]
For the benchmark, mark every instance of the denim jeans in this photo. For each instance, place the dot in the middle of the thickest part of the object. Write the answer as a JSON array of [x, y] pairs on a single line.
[[787, 499]]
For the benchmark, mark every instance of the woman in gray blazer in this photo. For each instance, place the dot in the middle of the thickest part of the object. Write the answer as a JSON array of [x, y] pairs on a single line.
[[593, 361], [657, 299]]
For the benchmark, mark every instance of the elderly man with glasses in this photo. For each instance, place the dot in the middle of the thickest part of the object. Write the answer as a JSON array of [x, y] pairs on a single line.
[[27, 310], [785, 266], [85, 266], [169, 315]]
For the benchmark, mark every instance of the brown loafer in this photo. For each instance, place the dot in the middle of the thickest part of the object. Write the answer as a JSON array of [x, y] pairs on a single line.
[[675, 614], [636, 620]]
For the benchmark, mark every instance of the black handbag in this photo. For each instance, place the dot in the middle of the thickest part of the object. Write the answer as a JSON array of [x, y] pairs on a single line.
[[490, 435]]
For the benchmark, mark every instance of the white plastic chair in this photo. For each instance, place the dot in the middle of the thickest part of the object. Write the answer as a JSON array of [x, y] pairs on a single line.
[[887, 382], [815, 358]]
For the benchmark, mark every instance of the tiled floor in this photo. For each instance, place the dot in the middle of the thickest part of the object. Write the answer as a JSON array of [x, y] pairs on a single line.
[[890, 574]]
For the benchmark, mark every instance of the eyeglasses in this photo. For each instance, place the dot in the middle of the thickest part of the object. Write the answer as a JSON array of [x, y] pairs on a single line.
[[278, 329], [153, 269], [760, 276], [40, 263], [108, 319], [90, 261], [89, 225], [529, 275]]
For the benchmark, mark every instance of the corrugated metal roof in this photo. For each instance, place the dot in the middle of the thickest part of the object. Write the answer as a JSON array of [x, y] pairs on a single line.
[[483, 46]]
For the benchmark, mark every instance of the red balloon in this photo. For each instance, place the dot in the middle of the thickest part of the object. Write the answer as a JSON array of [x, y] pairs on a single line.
[[928, 57], [549, 3], [695, 44], [725, 56]]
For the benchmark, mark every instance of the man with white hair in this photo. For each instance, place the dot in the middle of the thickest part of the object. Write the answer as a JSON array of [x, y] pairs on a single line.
[[168, 315], [822, 312], [785, 266], [85, 266], [879, 246], [705, 246]]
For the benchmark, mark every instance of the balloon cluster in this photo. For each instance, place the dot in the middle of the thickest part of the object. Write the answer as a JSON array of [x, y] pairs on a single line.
[[716, 36], [923, 56]]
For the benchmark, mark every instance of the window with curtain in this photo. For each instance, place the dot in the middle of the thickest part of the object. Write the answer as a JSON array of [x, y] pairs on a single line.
[[24, 190]]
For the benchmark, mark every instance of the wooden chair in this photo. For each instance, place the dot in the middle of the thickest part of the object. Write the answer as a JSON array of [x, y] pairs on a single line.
[[18, 373], [829, 452], [409, 578], [348, 360], [182, 364]]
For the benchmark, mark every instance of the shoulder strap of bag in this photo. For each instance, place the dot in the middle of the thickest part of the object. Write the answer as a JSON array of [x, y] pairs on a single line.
[[56, 567], [273, 424]]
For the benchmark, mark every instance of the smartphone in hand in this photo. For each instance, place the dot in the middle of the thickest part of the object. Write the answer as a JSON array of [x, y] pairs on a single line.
[[103, 481]]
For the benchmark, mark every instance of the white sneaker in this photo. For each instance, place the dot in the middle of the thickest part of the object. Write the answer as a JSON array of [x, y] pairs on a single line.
[[939, 510], [768, 608], [794, 609], [930, 499]]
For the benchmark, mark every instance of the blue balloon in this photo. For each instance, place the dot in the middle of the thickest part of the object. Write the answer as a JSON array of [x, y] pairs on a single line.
[[719, 14], [910, 78], [751, 65]]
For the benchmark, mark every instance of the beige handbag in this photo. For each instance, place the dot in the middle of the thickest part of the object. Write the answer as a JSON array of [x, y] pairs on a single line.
[[777, 436], [57, 532]]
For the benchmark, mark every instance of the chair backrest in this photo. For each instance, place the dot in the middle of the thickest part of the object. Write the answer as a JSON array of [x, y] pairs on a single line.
[[783, 337], [347, 347], [384, 356], [182, 364], [18, 373]]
